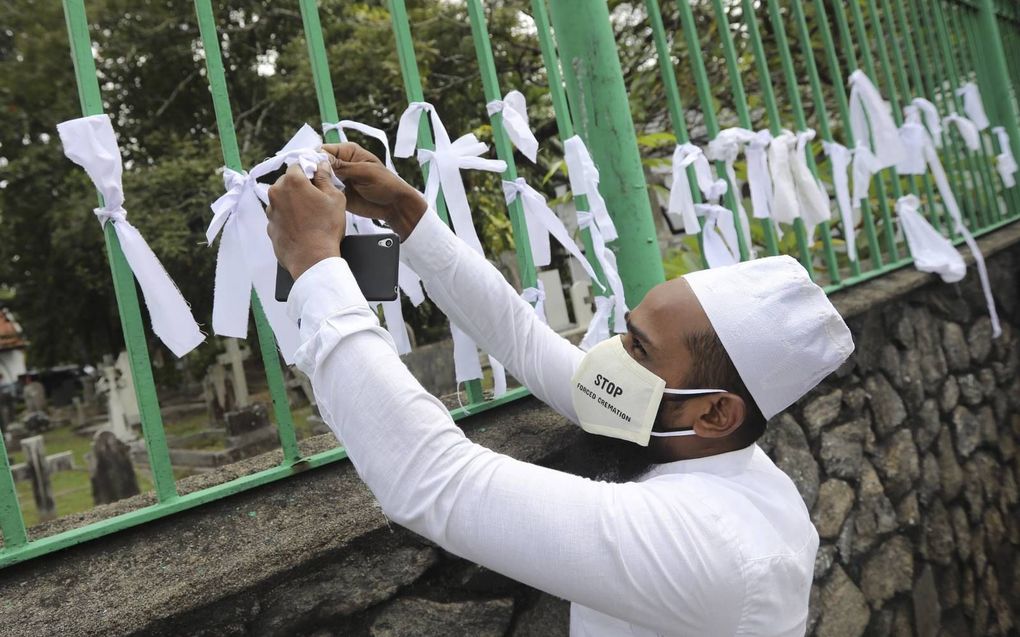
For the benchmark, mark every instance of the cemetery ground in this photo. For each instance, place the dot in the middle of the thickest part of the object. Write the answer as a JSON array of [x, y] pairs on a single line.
[[71, 489]]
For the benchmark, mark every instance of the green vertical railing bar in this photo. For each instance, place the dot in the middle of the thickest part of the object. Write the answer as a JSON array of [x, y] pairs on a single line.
[[320, 67], [123, 278], [12, 524], [412, 87], [708, 112], [739, 101], [879, 179], [232, 159], [564, 124], [490, 86], [674, 104], [772, 109], [793, 91], [843, 26]]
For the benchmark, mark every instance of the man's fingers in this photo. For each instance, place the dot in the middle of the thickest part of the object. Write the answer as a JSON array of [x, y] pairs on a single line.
[[350, 152], [323, 177], [356, 173]]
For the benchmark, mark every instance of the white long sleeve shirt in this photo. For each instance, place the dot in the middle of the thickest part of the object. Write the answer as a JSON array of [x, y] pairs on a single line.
[[721, 545]]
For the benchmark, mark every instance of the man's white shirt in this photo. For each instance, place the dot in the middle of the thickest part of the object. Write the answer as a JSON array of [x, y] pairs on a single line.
[[714, 546]]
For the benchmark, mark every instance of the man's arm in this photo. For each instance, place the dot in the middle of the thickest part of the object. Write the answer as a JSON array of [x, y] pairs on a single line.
[[476, 297], [621, 549]]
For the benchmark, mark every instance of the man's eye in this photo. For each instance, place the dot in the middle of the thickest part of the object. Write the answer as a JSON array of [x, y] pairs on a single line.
[[638, 346]]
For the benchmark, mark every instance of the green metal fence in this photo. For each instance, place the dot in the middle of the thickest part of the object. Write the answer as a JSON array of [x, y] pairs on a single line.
[[908, 48]]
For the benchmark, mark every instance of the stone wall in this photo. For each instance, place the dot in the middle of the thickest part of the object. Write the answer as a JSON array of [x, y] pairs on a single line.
[[906, 457]]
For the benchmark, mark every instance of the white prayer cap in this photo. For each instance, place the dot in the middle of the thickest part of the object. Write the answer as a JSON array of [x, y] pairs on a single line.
[[779, 328]]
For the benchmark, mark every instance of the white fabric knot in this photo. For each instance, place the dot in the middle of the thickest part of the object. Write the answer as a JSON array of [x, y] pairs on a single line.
[[967, 129], [514, 109], [932, 120], [871, 121], [369, 131], [536, 296], [584, 180], [839, 158], [1005, 162], [719, 235], [91, 143], [598, 329], [931, 251], [812, 200], [973, 105]]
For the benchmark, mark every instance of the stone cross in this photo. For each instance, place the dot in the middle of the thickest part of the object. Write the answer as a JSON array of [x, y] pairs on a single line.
[[110, 470], [235, 357], [39, 473], [122, 404]]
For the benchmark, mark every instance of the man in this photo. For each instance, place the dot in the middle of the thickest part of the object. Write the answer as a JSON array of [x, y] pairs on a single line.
[[713, 540]]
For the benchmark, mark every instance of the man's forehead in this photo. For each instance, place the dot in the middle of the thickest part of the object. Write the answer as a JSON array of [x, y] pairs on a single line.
[[675, 304]]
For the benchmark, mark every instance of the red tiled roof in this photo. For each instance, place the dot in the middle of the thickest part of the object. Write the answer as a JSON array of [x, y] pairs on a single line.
[[10, 332]]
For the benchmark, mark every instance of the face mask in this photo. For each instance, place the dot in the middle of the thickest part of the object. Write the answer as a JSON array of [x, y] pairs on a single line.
[[615, 396]]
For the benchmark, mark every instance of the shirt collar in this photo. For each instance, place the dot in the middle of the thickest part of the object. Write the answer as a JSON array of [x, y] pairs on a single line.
[[729, 463]]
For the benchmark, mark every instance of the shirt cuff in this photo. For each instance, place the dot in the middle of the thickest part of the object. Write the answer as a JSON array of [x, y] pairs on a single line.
[[431, 246], [323, 290]]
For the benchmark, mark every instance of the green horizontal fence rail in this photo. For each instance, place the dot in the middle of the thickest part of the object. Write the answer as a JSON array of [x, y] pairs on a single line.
[[909, 48]]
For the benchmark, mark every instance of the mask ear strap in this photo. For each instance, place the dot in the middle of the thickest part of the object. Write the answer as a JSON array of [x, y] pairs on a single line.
[[674, 434], [682, 394]]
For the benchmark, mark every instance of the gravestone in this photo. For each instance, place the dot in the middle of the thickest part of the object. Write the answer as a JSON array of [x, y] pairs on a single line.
[[581, 300], [35, 422], [234, 357], [245, 425], [555, 304], [39, 473], [110, 470], [35, 396], [122, 404]]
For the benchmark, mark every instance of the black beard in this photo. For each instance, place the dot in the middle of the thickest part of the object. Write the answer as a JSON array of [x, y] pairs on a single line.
[[607, 459]]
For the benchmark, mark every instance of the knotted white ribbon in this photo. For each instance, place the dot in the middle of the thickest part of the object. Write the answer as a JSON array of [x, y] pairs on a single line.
[[543, 223], [445, 164], [246, 258], [931, 118], [785, 207], [968, 130], [840, 157], [607, 261], [536, 296], [515, 122], [719, 235], [1005, 163], [871, 121], [812, 199], [725, 148], [369, 131], [584, 180], [598, 328], [953, 208], [758, 176], [91, 143], [931, 251], [973, 105], [913, 136]]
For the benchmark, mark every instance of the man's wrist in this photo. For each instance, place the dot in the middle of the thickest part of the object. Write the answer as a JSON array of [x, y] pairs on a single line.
[[299, 266], [408, 210]]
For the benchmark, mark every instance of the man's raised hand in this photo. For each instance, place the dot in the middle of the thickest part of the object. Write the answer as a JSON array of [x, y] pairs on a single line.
[[307, 218], [373, 191]]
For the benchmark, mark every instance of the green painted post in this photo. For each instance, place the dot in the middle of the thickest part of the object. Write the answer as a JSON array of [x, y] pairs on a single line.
[[598, 99], [412, 87], [564, 125], [123, 278], [12, 524], [232, 159], [490, 86]]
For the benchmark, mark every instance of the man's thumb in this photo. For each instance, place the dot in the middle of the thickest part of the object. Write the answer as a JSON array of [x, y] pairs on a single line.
[[323, 177]]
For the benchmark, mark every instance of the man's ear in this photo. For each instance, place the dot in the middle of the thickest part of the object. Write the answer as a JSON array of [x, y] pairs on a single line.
[[719, 415]]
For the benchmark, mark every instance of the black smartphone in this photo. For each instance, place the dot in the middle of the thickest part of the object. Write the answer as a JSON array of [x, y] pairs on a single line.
[[374, 260]]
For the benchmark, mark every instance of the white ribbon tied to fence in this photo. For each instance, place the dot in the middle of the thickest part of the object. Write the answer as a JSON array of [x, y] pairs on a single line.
[[719, 235], [811, 196], [445, 164], [973, 105], [514, 110], [536, 296], [875, 133], [759, 179], [785, 207], [1005, 163], [343, 125], [91, 143], [927, 148], [584, 180], [840, 157], [931, 118], [968, 130], [245, 258], [726, 148], [931, 251]]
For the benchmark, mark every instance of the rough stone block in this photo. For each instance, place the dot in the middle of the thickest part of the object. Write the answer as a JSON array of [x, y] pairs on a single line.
[[835, 500], [954, 344], [908, 512], [548, 617], [822, 411], [949, 397], [961, 531], [988, 427], [855, 399], [927, 611], [842, 449], [986, 379], [844, 611], [912, 381], [874, 514], [824, 559], [886, 405], [898, 464], [416, 617], [979, 339], [938, 535], [930, 479], [950, 473], [966, 430], [888, 571], [970, 389], [928, 424]]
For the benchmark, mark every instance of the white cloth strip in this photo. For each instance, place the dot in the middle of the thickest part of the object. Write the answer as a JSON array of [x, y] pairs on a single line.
[[726, 148], [865, 165], [913, 136], [839, 158], [542, 223], [973, 105], [514, 109], [1005, 162], [812, 200], [598, 328], [536, 296], [785, 207], [953, 208], [719, 235], [871, 121], [91, 143], [445, 164], [932, 120], [369, 131], [968, 130], [246, 258], [607, 261], [931, 251], [584, 180], [681, 198], [759, 178]]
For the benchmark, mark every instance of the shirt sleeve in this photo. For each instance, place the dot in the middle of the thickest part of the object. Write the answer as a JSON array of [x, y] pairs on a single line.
[[620, 549], [476, 297]]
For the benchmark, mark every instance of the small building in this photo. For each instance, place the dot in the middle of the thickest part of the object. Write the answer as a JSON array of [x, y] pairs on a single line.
[[12, 348]]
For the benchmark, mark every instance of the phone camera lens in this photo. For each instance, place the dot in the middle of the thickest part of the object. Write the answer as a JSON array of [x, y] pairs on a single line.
[[386, 243]]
